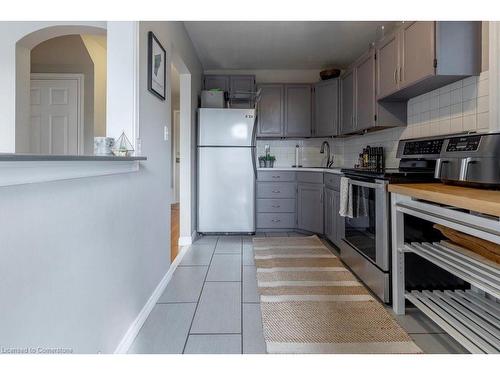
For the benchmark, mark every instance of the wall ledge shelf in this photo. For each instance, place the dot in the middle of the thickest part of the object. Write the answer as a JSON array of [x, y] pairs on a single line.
[[20, 169]]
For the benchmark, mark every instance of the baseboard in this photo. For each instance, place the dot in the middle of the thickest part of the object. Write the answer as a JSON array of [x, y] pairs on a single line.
[[137, 324], [188, 240]]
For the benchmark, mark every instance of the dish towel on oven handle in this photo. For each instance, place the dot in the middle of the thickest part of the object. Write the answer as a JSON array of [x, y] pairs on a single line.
[[345, 198]]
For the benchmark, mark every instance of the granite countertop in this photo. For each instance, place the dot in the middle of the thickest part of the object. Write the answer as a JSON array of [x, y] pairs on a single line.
[[334, 170], [37, 157]]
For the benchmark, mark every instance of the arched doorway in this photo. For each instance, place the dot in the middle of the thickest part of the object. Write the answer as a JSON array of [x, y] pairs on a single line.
[[77, 125]]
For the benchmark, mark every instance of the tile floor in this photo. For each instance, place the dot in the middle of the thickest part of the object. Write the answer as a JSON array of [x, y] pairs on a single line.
[[211, 305]]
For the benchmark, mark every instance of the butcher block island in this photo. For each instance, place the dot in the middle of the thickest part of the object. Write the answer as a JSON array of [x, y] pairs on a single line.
[[462, 238], [479, 200]]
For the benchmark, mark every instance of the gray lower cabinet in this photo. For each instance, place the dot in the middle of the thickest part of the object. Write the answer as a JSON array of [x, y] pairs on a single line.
[[276, 200], [329, 211], [326, 108], [310, 207], [334, 223], [338, 221]]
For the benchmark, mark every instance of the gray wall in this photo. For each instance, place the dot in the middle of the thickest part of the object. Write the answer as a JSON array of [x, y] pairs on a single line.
[[81, 257]]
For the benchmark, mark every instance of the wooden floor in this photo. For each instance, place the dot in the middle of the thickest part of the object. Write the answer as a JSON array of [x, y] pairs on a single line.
[[174, 230]]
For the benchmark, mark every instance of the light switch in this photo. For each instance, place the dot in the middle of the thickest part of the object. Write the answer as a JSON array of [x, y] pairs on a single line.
[[165, 133]]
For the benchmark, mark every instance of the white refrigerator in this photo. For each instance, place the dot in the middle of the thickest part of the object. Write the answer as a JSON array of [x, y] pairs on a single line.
[[226, 170]]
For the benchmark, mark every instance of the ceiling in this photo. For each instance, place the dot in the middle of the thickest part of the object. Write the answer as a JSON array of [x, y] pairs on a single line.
[[282, 45]]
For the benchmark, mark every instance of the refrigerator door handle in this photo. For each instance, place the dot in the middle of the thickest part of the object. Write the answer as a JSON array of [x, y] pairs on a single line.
[[254, 147]]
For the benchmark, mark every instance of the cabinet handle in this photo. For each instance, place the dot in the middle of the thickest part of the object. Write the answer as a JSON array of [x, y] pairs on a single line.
[[276, 176], [396, 75], [276, 191], [276, 220], [276, 206], [400, 75]]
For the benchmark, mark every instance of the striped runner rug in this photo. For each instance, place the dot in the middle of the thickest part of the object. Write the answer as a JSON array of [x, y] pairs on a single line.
[[311, 303]]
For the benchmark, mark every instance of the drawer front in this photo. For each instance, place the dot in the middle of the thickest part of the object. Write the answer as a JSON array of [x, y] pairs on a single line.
[[275, 220], [276, 190], [275, 205], [275, 176], [310, 177], [332, 181]]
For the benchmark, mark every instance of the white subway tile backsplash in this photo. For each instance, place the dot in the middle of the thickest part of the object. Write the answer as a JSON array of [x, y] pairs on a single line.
[[483, 88], [469, 123], [456, 85], [456, 125], [456, 110], [469, 107], [469, 92], [434, 102], [456, 96], [444, 113], [445, 99], [470, 80], [483, 104], [483, 121]]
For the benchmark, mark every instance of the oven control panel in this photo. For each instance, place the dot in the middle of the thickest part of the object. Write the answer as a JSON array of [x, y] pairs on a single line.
[[463, 144], [425, 147]]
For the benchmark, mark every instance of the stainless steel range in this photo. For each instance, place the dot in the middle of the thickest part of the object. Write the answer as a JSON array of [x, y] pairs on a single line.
[[469, 159], [366, 245]]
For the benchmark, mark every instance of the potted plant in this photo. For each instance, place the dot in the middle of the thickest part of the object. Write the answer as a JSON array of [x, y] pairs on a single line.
[[269, 161]]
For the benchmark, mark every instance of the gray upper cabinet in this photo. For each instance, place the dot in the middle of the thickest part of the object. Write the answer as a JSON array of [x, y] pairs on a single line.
[[211, 82], [360, 110], [310, 207], [241, 88], [387, 65], [430, 54], [364, 116], [417, 52], [347, 103], [298, 110], [326, 108], [270, 111]]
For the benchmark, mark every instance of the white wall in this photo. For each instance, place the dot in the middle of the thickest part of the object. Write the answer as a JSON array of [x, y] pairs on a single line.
[[81, 257], [122, 81], [191, 75]]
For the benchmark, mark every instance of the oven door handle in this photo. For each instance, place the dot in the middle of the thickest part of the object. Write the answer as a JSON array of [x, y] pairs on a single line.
[[370, 185]]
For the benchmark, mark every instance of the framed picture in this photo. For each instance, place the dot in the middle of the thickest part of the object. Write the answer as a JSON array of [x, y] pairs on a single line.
[[156, 67]]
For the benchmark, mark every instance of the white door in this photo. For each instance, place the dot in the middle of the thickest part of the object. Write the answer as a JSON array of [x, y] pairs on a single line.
[[55, 116]]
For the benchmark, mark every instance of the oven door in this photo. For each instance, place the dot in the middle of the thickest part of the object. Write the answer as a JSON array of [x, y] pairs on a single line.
[[368, 231]]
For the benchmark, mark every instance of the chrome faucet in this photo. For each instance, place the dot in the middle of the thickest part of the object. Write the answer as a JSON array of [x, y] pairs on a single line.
[[328, 162]]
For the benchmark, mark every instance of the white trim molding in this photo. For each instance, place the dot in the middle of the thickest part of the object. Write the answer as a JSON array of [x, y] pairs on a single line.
[[129, 337], [28, 172], [494, 79]]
